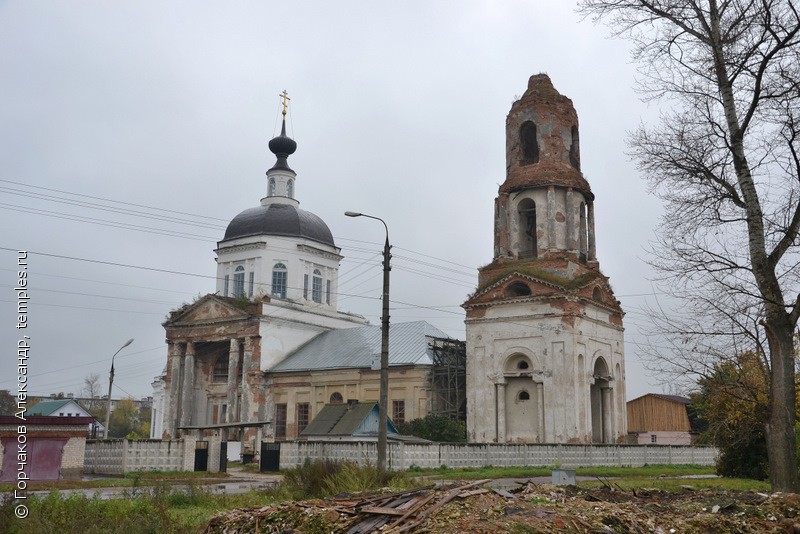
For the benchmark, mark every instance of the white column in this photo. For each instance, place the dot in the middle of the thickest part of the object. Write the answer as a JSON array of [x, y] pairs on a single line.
[[607, 426], [592, 245], [233, 381], [500, 391], [540, 402], [247, 360], [551, 219], [187, 404], [172, 395]]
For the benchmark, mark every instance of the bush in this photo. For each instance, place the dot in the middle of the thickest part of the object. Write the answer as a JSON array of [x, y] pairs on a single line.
[[325, 478], [435, 428]]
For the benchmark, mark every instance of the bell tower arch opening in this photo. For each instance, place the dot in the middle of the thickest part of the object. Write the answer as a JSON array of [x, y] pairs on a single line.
[[529, 143], [527, 229], [575, 149]]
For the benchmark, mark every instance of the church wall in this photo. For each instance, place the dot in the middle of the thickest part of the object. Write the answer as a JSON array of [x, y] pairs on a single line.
[[561, 359], [284, 328], [407, 384], [260, 255]]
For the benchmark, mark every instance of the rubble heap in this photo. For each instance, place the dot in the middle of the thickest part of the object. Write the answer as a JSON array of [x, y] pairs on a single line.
[[541, 508]]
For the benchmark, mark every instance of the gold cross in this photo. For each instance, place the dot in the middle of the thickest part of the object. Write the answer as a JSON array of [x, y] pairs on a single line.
[[284, 97]]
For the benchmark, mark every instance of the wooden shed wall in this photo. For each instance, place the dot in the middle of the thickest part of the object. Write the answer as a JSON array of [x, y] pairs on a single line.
[[650, 413]]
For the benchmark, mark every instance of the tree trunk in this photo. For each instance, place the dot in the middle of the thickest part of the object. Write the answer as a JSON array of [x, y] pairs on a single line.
[[780, 428], [781, 442]]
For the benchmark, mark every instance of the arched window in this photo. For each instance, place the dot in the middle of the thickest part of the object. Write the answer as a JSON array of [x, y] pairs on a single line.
[[527, 229], [529, 143], [290, 188], [279, 275], [522, 365], [574, 150], [597, 294], [220, 373], [238, 281], [523, 396], [271, 188], [316, 286], [518, 289], [336, 398]]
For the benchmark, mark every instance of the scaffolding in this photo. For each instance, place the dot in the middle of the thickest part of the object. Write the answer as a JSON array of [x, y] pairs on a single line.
[[449, 378]]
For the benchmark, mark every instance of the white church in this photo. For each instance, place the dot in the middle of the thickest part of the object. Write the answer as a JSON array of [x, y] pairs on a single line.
[[259, 358], [263, 355]]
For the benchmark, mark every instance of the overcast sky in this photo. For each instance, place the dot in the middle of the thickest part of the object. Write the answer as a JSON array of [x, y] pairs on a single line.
[[132, 132]]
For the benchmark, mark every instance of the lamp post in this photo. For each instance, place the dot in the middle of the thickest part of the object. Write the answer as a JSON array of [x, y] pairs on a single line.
[[384, 383], [110, 382]]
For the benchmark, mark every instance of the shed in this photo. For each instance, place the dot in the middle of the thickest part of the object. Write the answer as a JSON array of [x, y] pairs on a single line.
[[661, 419]]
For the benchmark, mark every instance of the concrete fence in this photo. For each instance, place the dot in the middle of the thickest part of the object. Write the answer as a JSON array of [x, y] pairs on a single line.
[[402, 456], [120, 456]]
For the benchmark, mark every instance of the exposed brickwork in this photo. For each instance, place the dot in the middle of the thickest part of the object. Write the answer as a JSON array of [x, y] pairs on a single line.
[[545, 347], [555, 117]]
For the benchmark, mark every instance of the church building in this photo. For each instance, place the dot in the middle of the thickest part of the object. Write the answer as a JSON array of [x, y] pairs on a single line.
[[260, 357], [545, 355]]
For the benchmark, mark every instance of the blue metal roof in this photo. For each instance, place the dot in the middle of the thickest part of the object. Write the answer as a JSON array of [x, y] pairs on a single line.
[[357, 347]]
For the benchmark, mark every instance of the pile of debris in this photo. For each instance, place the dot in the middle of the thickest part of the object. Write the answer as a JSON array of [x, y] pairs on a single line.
[[471, 507]]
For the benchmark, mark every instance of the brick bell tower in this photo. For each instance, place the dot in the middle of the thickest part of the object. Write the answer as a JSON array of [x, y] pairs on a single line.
[[545, 347]]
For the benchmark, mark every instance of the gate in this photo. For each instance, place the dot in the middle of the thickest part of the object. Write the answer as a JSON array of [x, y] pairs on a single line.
[[223, 457], [270, 456], [201, 456]]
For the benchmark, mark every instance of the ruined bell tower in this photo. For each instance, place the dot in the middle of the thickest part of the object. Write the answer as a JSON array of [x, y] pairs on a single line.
[[545, 354]]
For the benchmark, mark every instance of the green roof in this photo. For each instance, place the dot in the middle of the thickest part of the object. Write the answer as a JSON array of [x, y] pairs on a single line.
[[52, 406], [347, 420]]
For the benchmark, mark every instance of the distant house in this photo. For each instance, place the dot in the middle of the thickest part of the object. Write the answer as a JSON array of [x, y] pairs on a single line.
[[659, 419], [67, 408], [353, 421]]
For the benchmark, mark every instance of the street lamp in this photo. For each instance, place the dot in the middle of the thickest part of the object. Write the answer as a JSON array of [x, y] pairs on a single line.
[[110, 382], [384, 384]]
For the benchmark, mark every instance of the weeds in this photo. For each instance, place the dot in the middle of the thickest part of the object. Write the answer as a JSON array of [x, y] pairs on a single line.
[[324, 478]]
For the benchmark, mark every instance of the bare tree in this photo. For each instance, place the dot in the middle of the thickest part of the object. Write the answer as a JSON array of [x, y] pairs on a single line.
[[725, 158], [92, 389]]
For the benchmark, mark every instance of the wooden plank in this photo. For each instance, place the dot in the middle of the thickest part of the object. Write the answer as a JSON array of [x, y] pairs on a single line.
[[385, 510], [420, 502]]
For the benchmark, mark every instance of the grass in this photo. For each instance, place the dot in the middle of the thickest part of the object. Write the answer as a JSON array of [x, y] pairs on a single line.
[[665, 477], [143, 478], [143, 511], [153, 504]]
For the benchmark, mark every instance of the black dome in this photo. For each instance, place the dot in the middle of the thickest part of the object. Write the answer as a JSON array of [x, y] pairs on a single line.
[[279, 219], [282, 145]]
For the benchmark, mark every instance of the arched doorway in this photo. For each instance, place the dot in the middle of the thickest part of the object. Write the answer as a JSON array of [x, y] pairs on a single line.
[[600, 393]]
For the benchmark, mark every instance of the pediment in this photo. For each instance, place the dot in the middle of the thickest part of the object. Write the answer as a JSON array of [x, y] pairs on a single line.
[[212, 308], [520, 286]]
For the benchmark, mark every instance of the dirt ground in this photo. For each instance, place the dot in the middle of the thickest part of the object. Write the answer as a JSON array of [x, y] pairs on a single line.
[[533, 508]]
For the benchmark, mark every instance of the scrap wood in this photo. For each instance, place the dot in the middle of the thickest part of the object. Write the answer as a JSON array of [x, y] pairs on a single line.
[[470, 493], [411, 511], [449, 496], [390, 496], [385, 510], [403, 505]]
